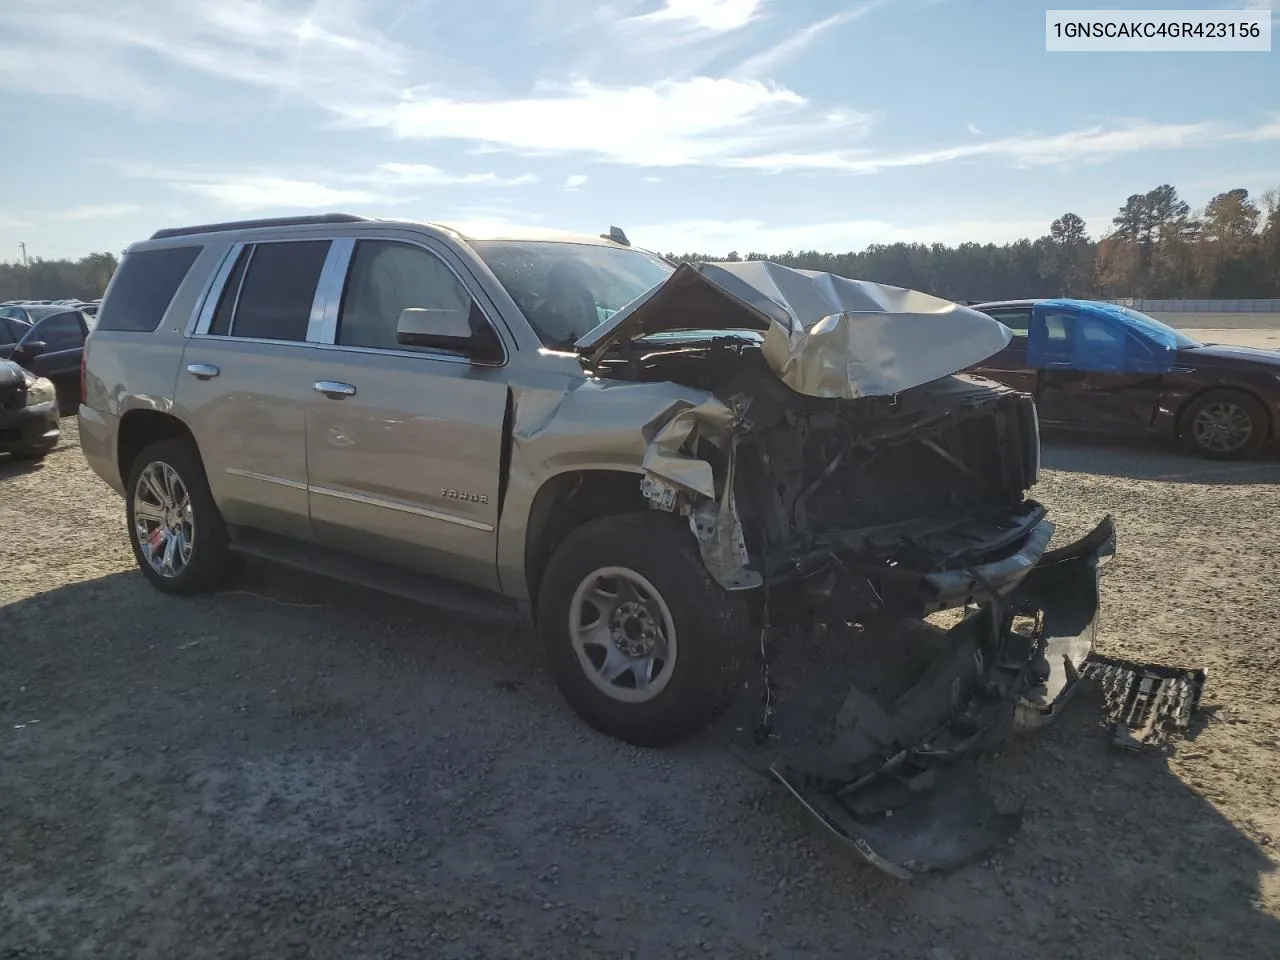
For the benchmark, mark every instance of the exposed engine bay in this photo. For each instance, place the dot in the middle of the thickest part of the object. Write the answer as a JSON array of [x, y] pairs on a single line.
[[898, 505]]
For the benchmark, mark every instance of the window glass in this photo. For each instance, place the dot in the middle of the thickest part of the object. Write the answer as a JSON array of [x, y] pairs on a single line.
[[279, 286], [1016, 320], [221, 324], [565, 289], [1098, 331], [14, 313], [11, 331], [60, 332], [1058, 326], [386, 277], [143, 288]]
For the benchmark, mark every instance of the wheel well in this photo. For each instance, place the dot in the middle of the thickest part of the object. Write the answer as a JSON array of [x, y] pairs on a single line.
[[1227, 388], [566, 502], [140, 428]]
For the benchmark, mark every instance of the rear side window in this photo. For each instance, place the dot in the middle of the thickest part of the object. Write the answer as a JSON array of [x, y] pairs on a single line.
[[269, 293], [60, 332], [143, 288], [1016, 320]]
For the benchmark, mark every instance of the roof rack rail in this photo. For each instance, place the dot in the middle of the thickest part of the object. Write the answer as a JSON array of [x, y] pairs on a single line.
[[250, 224]]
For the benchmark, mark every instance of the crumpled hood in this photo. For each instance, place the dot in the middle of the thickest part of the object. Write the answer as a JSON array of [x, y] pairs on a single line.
[[824, 335]]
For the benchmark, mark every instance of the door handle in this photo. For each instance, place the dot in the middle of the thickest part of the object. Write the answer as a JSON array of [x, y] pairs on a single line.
[[203, 371], [335, 390]]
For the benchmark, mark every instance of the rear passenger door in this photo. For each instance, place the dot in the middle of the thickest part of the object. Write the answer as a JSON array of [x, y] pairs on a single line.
[[246, 379], [1010, 365], [404, 444]]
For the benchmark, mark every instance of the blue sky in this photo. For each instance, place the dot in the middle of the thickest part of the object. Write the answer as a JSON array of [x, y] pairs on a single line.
[[704, 125]]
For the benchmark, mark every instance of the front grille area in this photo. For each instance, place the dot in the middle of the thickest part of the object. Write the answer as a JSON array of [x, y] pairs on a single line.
[[13, 397]]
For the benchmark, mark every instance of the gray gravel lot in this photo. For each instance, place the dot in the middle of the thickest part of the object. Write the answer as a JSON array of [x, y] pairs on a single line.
[[297, 768]]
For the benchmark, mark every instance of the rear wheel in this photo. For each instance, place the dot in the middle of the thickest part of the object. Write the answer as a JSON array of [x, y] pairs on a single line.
[[1225, 425], [177, 533], [639, 638]]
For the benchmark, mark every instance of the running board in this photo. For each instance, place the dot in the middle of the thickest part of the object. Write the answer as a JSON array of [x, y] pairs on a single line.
[[384, 578]]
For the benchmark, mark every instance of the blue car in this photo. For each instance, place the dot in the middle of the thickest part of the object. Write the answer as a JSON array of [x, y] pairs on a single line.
[[1103, 367]]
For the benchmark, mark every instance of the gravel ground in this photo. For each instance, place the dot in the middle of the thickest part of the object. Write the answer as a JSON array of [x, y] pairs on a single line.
[[300, 769]]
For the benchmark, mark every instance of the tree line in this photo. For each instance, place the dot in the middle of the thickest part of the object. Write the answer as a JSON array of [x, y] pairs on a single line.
[[39, 279], [1156, 246]]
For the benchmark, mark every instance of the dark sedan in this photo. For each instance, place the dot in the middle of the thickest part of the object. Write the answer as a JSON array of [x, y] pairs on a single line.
[[1100, 366], [48, 341]]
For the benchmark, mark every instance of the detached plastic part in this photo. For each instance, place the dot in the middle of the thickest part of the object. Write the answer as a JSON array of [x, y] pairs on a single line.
[[1145, 705]]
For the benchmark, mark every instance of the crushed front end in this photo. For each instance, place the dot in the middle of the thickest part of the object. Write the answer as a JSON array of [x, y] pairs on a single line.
[[838, 473], [891, 782]]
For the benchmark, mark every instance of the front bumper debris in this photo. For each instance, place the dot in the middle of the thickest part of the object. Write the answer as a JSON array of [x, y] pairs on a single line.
[[891, 783], [1145, 705], [36, 427]]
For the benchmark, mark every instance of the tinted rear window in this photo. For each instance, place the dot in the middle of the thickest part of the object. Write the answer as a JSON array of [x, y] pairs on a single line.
[[143, 287], [278, 288]]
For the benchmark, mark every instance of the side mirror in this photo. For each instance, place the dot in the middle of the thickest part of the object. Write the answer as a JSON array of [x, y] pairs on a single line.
[[442, 329], [461, 331], [32, 349]]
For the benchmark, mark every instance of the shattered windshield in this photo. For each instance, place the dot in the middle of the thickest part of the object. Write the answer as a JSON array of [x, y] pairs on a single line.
[[567, 289]]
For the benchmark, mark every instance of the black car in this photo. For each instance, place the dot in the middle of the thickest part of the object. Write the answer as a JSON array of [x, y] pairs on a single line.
[[29, 421], [49, 341], [1101, 366]]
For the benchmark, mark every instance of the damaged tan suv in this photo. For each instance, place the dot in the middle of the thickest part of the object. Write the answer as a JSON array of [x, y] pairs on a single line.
[[656, 462]]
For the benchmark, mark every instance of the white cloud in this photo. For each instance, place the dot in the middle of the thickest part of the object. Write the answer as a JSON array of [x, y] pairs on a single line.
[[670, 123], [1089, 144], [575, 182], [427, 175], [719, 237], [716, 15], [1272, 5], [307, 189], [768, 59], [264, 193], [101, 211], [974, 129], [323, 54]]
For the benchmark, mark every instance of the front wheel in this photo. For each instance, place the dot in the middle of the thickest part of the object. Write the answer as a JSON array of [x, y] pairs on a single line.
[[640, 640], [1225, 425], [177, 533]]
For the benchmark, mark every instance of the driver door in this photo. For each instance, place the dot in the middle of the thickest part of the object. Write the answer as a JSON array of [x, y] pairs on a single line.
[[404, 443], [1092, 371]]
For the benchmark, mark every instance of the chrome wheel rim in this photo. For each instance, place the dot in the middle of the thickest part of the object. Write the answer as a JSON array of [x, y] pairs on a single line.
[[1222, 427], [162, 519], [623, 634]]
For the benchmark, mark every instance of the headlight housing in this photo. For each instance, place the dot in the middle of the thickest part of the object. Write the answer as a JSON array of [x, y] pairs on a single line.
[[39, 390]]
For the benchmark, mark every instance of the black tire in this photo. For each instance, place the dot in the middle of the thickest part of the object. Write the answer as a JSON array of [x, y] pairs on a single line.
[[211, 561], [1249, 407], [712, 628]]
